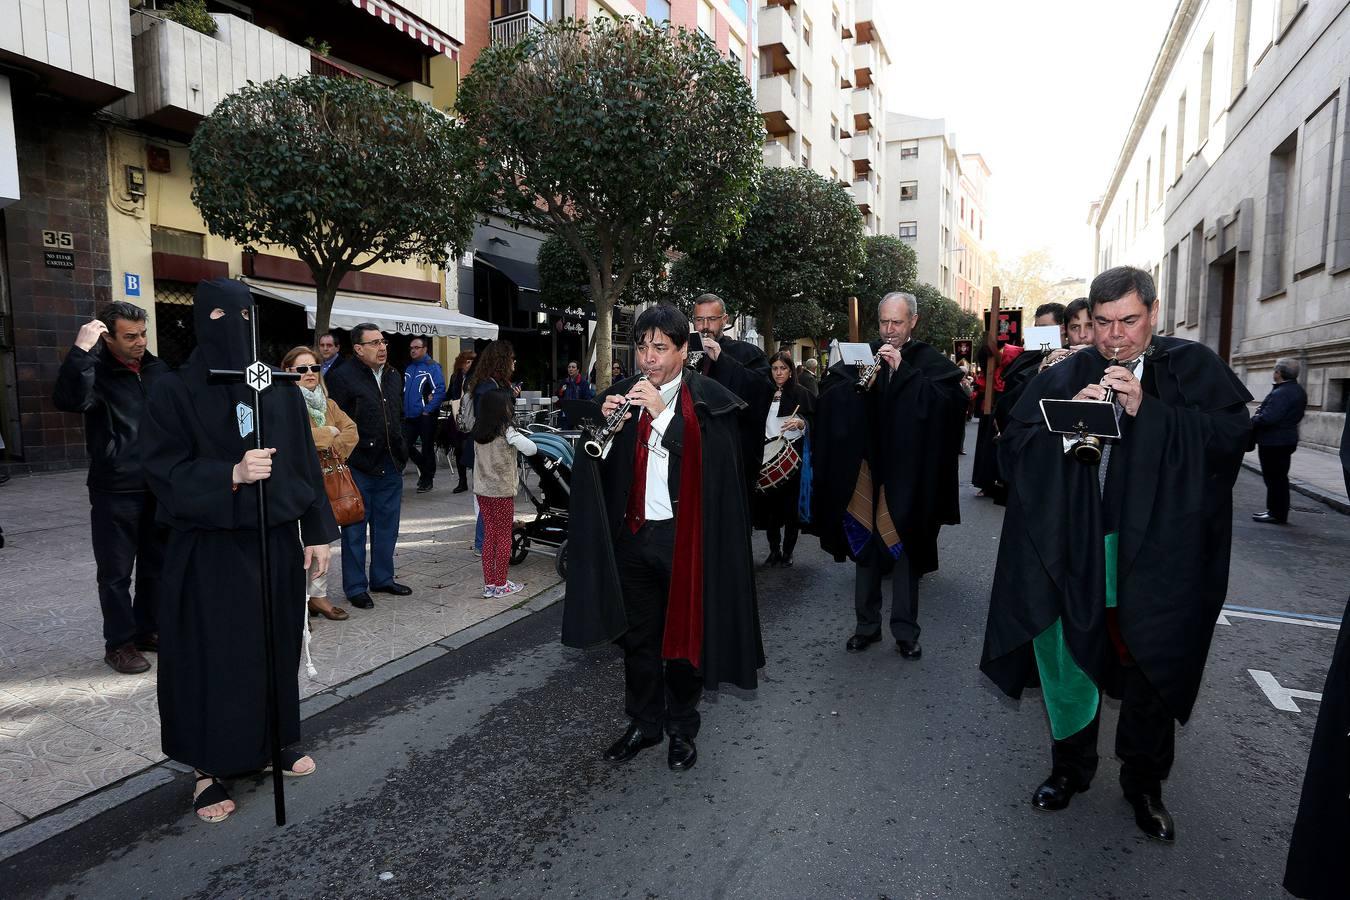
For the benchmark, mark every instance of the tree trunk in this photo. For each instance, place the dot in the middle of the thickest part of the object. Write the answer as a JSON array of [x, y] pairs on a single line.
[[766, 330], [604, 332], [325, 289]]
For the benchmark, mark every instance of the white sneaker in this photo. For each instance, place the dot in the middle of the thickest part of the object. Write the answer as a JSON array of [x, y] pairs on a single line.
[[510, 588], [478, 554], [489, 591]]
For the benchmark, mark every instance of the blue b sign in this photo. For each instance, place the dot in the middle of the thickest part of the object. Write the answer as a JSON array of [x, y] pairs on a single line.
[[133, 284]]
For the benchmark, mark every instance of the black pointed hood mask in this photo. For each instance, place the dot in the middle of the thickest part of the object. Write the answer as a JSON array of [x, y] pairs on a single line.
[[226, 342]]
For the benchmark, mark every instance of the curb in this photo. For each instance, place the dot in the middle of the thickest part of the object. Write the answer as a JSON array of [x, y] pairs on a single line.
[[1307, 490], [77, 812]]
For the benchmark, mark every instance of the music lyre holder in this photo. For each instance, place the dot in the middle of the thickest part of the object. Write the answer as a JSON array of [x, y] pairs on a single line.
[[1086, 422], [259, 377]]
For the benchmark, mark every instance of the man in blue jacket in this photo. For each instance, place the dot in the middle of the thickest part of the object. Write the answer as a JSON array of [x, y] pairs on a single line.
[[423, 391], [1275, 428]]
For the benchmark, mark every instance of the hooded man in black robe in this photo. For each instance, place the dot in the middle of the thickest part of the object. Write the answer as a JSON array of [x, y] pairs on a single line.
[[659, 545], [1318, 867], [1110, 577], [741, 368], [197, 450], [885, 471]]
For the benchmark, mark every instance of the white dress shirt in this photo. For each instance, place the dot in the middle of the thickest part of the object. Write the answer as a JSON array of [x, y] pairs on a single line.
[[659, 507]]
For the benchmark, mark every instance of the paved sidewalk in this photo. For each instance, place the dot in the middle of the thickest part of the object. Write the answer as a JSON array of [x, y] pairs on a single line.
[[70, 726], [1313, 473]]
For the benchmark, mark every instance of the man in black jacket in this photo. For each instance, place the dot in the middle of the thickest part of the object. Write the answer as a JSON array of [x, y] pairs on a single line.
[[371, 391], [1275, 427], [742, 368], [106, 376]]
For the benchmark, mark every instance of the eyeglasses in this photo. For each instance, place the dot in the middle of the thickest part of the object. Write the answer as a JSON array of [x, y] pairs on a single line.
[[378, 342], [313, 370]]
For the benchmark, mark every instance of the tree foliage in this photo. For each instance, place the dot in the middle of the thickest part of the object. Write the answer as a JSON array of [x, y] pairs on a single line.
[[637, 136], [942, 320], [342, 171], [564, 281], [1026, 281], [889, 264], [801, 250]]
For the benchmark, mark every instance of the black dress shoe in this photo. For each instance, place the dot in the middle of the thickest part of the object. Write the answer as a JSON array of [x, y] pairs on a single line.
[[860, 642], [630, 745], [1153, 818], [683, 754], [786, 562], [909, 649], [1056, 792], [393, 587], [1267, 518], [362, 601], [460, 488], [423, 487], [774, 558]]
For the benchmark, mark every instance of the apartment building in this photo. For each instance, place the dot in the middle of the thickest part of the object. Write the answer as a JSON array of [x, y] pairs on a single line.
[[821, 66], [498, 279], [1233, 188], [938, 201], [95, 180]]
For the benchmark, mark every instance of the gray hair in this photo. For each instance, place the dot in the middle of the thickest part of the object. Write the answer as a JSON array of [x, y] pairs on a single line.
[[120, 310], [910, 300], [1288, 367], [811, 363], [711, 298]]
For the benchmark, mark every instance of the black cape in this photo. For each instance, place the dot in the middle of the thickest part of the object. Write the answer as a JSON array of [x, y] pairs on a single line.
[[743, 369], [1015, 379], [778, 505], [908, 428], [1319, 867], [212, 677], [1174, 471], [593, 611]]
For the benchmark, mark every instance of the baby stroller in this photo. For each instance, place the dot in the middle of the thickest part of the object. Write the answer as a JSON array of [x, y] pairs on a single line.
[[552, 466]]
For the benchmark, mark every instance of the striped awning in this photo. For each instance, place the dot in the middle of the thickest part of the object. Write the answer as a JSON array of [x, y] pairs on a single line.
[[392, 14]]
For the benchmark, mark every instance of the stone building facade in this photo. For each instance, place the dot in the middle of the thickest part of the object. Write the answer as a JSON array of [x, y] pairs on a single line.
[[1233, 188]]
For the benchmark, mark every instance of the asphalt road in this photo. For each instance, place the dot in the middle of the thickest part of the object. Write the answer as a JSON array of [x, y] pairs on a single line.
[[479, 774]]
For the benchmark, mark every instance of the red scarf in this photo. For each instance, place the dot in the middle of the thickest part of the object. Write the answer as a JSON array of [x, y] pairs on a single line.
[[684, 610]]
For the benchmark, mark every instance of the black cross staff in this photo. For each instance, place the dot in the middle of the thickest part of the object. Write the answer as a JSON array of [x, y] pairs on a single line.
[[259, 377]]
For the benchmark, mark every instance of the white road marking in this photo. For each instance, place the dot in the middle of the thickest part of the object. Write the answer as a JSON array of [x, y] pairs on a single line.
[[1262, 617], [1280, 697]]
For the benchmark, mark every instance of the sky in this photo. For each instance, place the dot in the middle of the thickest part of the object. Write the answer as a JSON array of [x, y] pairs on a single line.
[[1043, 89]]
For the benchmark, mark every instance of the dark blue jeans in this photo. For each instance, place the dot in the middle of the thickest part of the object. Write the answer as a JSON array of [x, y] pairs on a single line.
[[383, 497]]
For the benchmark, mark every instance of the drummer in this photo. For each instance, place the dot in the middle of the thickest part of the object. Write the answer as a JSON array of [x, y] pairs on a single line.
[[779, 486]]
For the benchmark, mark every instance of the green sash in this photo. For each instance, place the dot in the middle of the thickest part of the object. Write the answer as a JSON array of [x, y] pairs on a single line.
[[1070, 696]]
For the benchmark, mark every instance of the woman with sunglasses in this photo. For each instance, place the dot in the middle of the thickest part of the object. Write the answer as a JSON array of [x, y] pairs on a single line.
[[333, 430]]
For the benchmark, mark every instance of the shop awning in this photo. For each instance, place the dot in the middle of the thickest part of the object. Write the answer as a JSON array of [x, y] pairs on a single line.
[[392, 14], [525, 275], [391, 315]]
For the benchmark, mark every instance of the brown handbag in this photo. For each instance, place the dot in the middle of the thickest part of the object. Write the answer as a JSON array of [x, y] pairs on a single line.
[[348, 507]]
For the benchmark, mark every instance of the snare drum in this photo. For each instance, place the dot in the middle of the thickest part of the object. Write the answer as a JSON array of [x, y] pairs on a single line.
[[780, 461]]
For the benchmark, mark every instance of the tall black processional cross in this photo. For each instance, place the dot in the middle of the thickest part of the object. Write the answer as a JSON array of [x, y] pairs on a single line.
[[258, 376]]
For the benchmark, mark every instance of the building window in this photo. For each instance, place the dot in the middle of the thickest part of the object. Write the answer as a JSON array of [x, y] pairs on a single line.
[[179, 243], [834, 19], [1148, 187], [1206, 77], [1242, 36], [1196, 259], [834, 128], [1280, 192], [806, 154], [1181, 137], [909, 151], [735, 50], [806, 31], [659, 11], [1162, 165], [1289, 10], [909, 190], [909, 231], [706, 21], [806, 92], [1170, 289]]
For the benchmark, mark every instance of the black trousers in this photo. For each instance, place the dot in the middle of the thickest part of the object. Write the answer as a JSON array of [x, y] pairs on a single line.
[[872, 566], [658, 694], [126, 538], [784, 538], [1275, 471], [1145, 740], [423, 427]]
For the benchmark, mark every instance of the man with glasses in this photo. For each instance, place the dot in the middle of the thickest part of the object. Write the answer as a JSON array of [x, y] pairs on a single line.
[[743, 369], [371, 392]]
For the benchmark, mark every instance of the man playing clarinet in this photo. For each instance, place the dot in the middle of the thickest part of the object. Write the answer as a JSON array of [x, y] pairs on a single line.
[[885, 470], [659, 546], [1110, 576]]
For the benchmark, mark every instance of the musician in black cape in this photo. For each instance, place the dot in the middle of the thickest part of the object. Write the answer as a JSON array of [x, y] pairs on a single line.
[[775, 504], [659, 545], [1318, 867], [1110, 577], [196, 448], [885, 471], [741, 368]]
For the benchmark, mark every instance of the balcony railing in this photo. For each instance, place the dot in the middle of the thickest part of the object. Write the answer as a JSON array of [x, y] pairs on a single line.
[[509, 29]]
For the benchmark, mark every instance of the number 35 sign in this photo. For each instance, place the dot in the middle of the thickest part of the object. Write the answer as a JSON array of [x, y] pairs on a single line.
[[58, 240]]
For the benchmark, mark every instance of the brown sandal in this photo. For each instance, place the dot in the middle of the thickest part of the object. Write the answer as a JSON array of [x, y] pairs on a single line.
[[330, 612]]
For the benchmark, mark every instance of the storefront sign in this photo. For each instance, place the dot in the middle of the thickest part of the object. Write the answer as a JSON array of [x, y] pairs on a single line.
[[416, 328]]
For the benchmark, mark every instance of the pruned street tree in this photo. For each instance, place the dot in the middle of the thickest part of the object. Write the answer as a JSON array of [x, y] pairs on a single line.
[[564, 282], [344, 172], [941, 319], [642, 138], [801, 250]]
